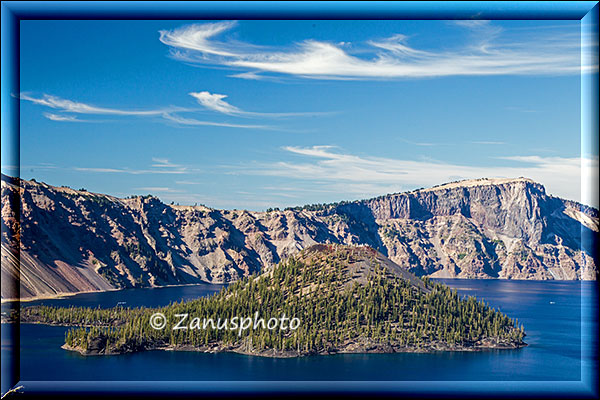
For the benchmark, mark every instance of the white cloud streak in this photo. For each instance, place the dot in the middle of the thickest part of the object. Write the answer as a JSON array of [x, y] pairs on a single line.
[[424, 144], [216, 102], [188, 183], [128, 171], [192, 38], [155, 189], [194, 122], [472, 23], [158, 166], [371, 176], [545, 53], [83, 108], [62, 118], [164, 163], [168, 113]]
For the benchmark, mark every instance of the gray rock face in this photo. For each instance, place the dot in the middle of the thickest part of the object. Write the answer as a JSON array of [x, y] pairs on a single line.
[[488, 228], [72, 241]]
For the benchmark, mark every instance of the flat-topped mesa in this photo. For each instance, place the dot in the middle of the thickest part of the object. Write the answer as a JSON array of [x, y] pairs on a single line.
[[481, 182], [456, 198], [513, 204]]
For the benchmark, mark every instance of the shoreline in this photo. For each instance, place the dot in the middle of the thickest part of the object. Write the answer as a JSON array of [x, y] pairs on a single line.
[[55, 296], [437, 347], [60, 296]]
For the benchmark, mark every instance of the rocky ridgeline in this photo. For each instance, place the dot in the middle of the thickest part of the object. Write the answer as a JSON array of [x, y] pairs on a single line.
[[72, 241]]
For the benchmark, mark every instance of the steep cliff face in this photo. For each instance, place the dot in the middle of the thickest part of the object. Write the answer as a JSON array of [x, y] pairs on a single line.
[[72, 241], [497, 228]]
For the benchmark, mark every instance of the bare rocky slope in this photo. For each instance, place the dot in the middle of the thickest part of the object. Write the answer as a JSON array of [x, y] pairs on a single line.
[[71, 241]]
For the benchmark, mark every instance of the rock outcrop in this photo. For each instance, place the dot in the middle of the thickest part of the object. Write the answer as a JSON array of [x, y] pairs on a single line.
[[60, 240]]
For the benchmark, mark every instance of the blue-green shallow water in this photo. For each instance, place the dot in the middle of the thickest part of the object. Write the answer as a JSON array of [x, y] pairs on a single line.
[[550, 311]]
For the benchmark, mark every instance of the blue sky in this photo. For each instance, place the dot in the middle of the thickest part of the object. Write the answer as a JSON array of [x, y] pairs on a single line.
[[257, 114]]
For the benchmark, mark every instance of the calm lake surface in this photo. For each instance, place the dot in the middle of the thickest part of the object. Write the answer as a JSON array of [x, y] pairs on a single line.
[[550, 311]]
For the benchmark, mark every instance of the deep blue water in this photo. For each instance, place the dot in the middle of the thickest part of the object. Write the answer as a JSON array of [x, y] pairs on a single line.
[[550, 311], [148, 297]]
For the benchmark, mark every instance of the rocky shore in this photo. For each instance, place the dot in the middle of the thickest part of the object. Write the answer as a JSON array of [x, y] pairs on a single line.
[[98, 347]]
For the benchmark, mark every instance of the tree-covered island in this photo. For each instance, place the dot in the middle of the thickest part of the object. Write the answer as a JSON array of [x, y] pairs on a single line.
[[346, 299]]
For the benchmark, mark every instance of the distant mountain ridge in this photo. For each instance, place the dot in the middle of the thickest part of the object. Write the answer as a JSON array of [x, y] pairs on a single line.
[[72, 241]]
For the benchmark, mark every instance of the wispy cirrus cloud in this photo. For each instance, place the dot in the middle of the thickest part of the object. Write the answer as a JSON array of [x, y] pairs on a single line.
[[488, 142], [188, 183], [216, 102], [489, 53], [62, 118], [360, 177], [472, 23], [71, 106], [211, 101], [158, 166], [201, 39], [164, 163], [423, 144], [129, 171], [194, 122], [158, 189], [170, 114]]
